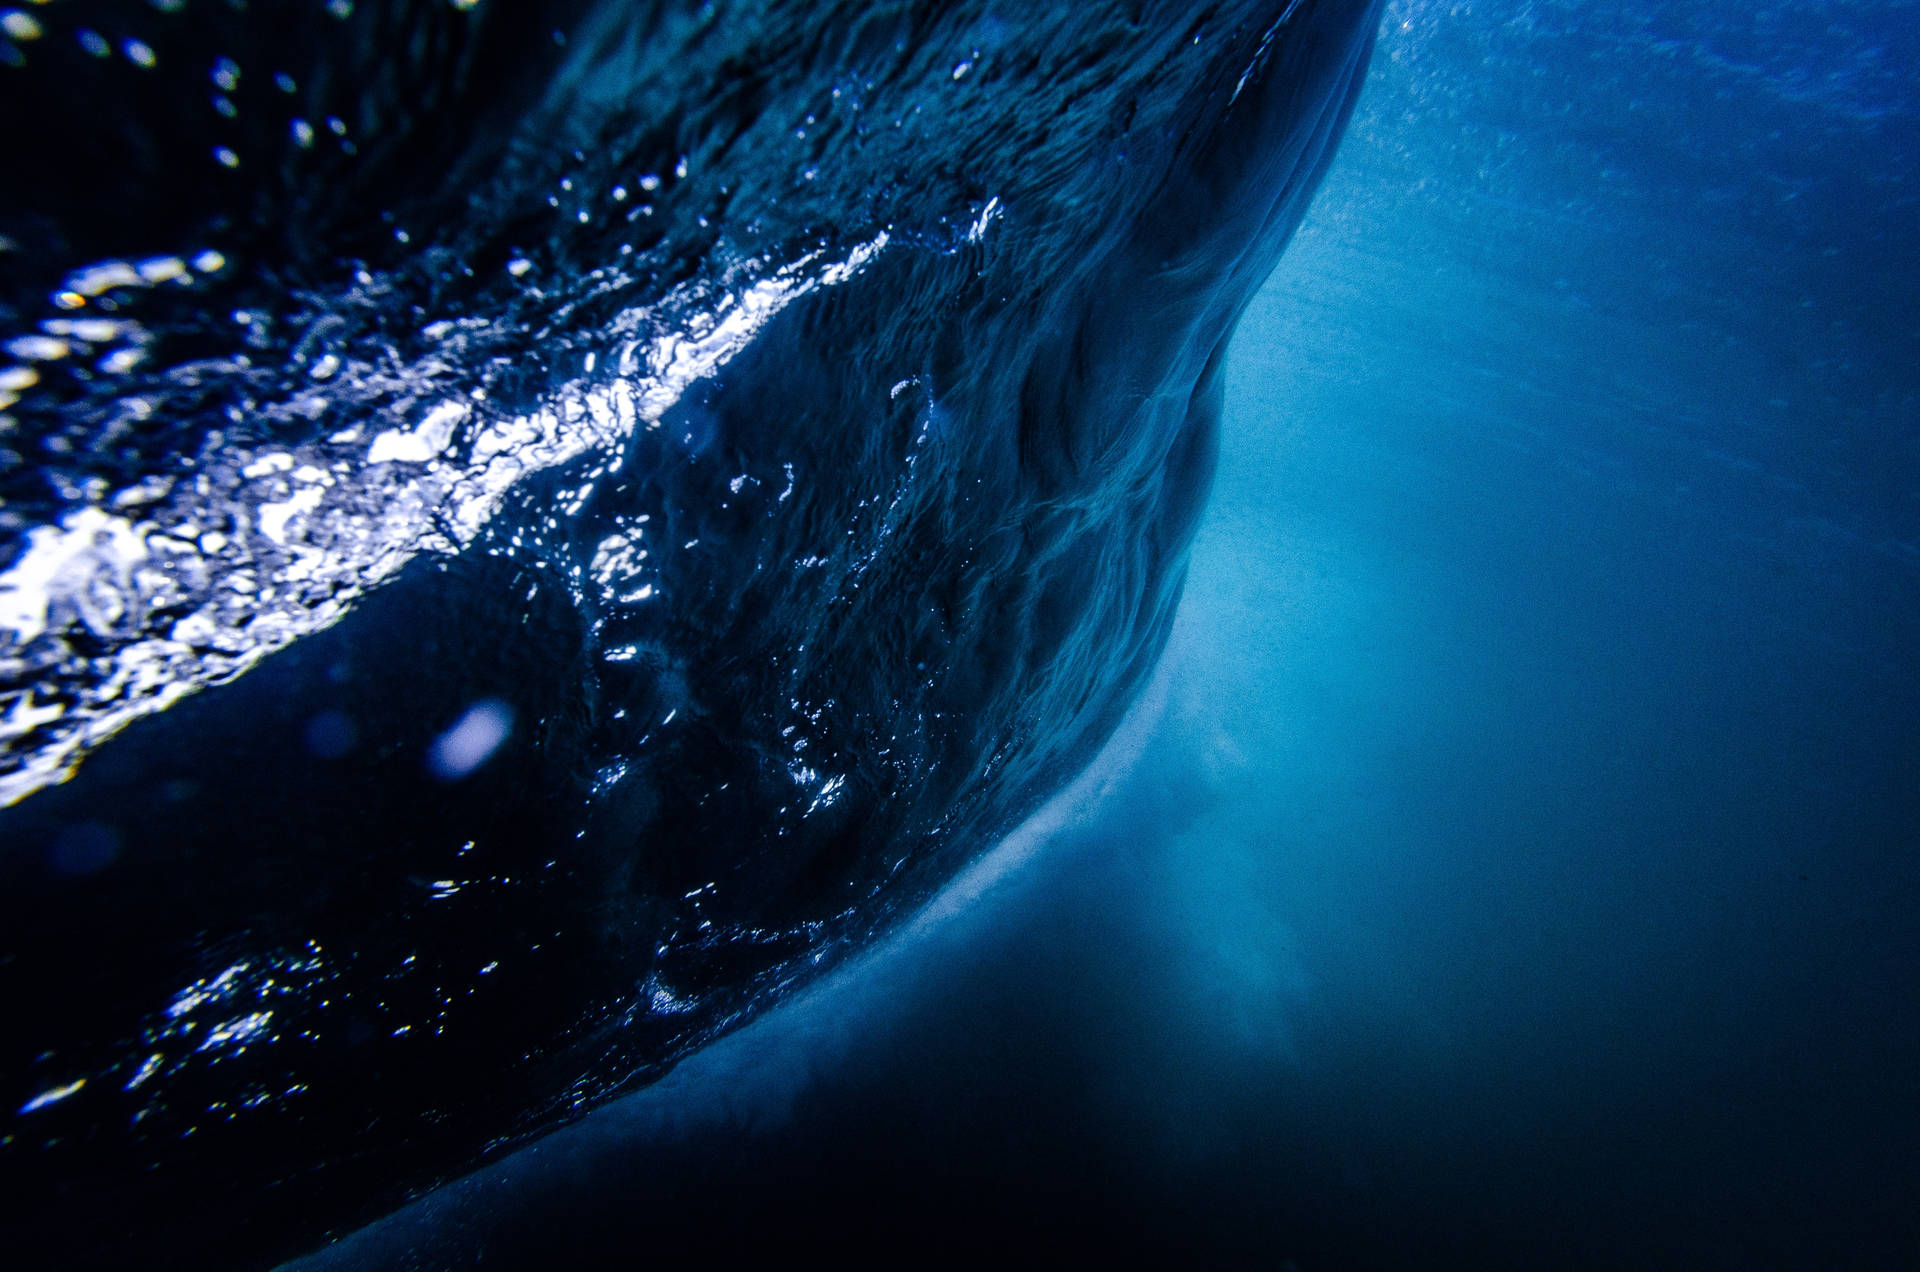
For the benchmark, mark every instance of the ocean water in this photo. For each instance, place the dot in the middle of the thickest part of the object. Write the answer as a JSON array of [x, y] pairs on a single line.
[[1516, 863], [532, 531], [1512, 861]]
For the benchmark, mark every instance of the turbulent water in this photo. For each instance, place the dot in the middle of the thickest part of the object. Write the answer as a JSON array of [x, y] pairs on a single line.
[[1523, 871], [531, 528]]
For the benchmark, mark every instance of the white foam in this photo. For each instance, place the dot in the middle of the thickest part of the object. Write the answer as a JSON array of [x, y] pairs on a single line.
[[247, 553]]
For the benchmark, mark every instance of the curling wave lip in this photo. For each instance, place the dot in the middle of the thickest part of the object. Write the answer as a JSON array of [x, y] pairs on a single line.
[[692, 514], [331, 525]]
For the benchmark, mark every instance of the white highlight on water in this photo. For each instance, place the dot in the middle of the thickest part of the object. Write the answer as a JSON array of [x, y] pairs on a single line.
[[300, 534], [472, 740]]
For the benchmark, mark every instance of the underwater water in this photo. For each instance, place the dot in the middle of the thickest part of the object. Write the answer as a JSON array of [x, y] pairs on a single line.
[[1517, 864], [533, 530], [1511, 862]]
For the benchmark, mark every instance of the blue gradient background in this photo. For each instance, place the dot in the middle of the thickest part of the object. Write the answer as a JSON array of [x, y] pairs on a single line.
[[1517, 862]]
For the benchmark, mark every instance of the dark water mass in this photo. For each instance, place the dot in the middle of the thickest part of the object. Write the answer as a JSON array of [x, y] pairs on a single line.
[[1517, 865], [533, 529], [743, 633]]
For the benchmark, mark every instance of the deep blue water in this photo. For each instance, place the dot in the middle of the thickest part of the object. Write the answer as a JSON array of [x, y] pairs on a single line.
[[1516, 859], [530, 531], [1521, 867]]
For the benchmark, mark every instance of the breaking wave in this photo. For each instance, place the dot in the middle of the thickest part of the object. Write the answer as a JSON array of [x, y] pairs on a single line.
[[679, 481]]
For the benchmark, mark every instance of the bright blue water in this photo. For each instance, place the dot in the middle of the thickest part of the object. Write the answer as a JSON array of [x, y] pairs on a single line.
[[1523, 869]]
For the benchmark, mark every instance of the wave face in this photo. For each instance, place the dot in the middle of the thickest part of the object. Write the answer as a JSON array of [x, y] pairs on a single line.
[[678, 481]]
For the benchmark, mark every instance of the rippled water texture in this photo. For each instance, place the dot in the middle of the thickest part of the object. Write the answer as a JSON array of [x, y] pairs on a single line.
[[678, 480]]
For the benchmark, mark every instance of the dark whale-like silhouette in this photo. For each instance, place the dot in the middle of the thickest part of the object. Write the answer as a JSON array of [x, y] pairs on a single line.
[[463, 846]]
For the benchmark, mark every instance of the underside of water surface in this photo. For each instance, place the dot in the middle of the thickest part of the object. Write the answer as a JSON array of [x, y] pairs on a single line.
[[532, 529]]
